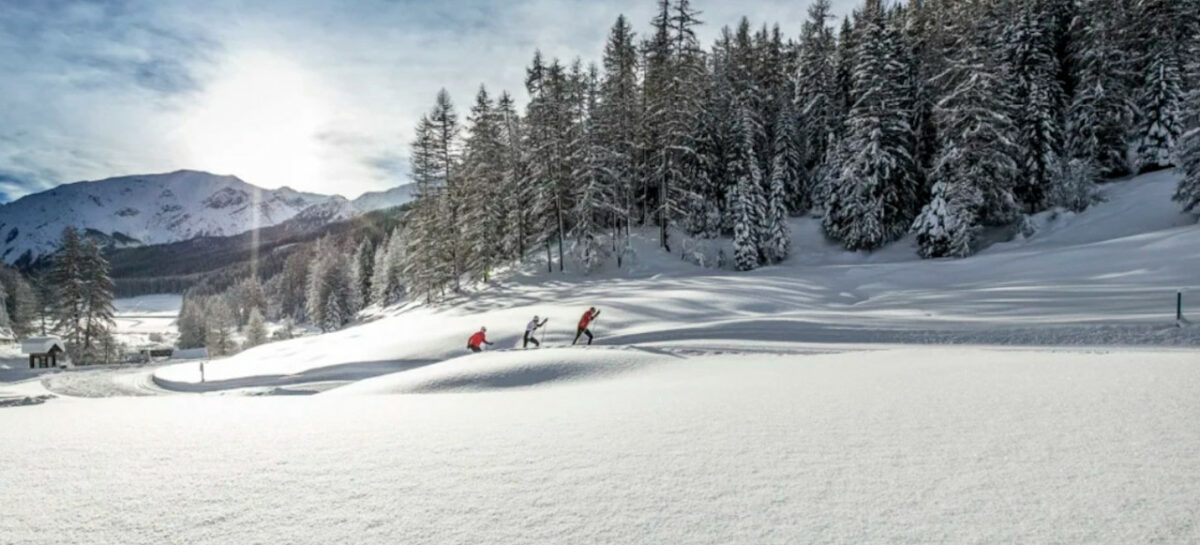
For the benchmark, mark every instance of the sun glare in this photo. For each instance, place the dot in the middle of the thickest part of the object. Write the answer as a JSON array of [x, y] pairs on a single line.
[[260, 121]]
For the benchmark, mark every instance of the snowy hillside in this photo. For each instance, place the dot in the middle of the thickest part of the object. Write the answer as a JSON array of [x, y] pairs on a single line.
[[149, 209], [163, 208], [1107, 276]]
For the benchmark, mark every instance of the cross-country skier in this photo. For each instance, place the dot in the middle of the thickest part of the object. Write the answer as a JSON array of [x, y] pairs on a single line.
[[530, 330], [584, 322], [476, 342]]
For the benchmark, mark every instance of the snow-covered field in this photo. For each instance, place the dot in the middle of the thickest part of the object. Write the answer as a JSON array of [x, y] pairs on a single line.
[[142, 320], [1039, 392], [619, 445]]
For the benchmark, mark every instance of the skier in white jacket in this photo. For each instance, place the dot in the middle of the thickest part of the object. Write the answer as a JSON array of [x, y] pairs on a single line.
[[530, 330]]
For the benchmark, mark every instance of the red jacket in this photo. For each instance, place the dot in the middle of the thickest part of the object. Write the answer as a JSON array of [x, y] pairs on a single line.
[[588, 316], [477, 339]]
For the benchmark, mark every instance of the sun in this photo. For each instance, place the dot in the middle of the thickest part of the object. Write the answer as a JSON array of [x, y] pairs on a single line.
[[261, 120]]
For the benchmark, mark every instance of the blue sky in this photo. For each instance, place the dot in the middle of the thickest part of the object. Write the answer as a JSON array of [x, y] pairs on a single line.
[[317, 95]]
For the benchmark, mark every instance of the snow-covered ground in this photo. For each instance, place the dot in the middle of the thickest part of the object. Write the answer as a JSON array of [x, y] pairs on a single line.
[[147, 321], [621, 445], [1039, 392]]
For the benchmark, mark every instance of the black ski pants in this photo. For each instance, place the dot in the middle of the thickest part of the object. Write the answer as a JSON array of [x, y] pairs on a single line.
[[529, 338]]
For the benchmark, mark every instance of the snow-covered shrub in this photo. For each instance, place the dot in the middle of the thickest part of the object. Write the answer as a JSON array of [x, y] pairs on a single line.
[[704, 253], [1076, 188]]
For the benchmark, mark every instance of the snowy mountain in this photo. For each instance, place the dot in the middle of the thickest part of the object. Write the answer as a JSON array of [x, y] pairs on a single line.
[[163, 208], [378, 200]]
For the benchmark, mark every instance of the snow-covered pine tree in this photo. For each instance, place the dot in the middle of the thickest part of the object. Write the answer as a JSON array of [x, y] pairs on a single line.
[[364, 273], [1188, 151], [317, 291], [22, 304], [549, 132], [333, 313], [773, 85], [776, 234], [381, 275], [596, 182], [354, 277], [687, 74], [26, 309], [397, 286], [656, 96], [975, 171], [483, 174], [344, 287], [292, 287], [69, 291], [98, 310], [924, 36], [332, 300], [221, 323], [5, 323], [816, 100], [616, 120], [191, 323], [1030, 45], [256, 329], [844, 69], [515, 194], [747, 203], [873, 198], [675, 70], [1098, 118], [1161, 30], [743, 74], [248, 294], [426, 268], [713, 139], [444, 168], [1158, 104]]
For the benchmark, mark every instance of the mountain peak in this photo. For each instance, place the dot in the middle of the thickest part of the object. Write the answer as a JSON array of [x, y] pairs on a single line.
[[146, 208]]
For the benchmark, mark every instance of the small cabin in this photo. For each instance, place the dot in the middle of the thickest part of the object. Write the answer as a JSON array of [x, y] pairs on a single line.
[[44, 352]]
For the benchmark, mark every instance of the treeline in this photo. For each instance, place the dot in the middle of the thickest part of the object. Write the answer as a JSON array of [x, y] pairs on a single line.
[[72, 297], [22, 312], [213, 264], [323, 283], [935, 117], [210, 321]]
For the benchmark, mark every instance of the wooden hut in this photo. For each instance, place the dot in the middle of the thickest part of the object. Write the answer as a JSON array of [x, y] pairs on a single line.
[[45, 352]]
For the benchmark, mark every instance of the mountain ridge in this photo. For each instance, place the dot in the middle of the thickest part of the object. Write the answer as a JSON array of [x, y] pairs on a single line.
[[148, 209]]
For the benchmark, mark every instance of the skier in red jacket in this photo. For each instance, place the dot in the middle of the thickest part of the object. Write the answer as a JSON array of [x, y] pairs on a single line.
[[584, 322], [476, 342]]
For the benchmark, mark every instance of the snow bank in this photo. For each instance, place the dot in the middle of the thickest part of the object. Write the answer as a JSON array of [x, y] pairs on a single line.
[[509, 369], [1131, 207]]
